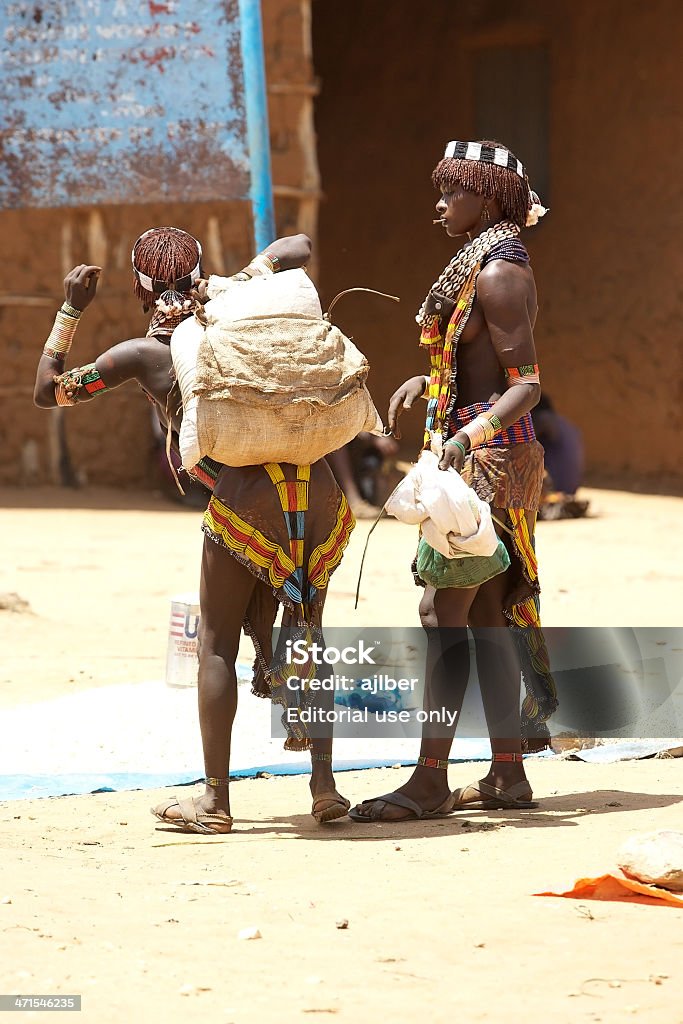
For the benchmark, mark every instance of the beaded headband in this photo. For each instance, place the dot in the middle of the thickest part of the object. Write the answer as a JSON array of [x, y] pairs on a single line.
[[183, 284], [484, 154], [501, 158]]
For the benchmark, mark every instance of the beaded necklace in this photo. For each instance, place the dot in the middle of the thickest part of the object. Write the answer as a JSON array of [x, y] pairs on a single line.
[[464, 262], [458, 282], [163, 323]]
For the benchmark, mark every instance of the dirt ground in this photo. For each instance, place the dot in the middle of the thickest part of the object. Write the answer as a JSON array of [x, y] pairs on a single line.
[[97, 899]]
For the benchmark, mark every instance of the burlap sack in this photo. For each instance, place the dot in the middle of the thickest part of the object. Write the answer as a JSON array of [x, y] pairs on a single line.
[[274, 388], [290, 291], [278, 359], [239, 433]]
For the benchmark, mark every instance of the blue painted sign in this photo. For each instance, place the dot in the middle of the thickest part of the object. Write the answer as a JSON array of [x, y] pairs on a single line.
[[120, 101]]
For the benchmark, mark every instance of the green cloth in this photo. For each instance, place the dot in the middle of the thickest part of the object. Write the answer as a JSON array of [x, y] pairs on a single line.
[[470, 571]]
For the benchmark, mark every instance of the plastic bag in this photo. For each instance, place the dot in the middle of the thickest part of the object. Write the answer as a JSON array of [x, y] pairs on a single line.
[[440, 572], [455, 522]]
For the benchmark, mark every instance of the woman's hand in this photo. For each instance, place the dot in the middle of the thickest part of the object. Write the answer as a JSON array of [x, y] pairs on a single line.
[[292, 251], [402, 399], [453, 456], [80, 285]]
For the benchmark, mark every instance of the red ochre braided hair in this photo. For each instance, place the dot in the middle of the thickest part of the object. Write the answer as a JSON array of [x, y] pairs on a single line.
[[490, 180], [166, 255]]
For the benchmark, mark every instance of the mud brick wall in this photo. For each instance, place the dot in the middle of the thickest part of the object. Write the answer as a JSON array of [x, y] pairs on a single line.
[[608, 259], [109, 440], [394, 85]]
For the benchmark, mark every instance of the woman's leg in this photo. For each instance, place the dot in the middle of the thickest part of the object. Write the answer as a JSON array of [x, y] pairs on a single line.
[[328, 803], [499, 670], [225, 589], [443, 614]]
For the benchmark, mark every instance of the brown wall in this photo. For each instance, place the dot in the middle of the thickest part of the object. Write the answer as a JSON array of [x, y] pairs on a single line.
[[109, 439], [397, 85]]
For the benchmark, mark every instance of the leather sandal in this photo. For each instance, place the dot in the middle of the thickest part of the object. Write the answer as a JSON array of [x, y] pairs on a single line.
[[417, 813], [192, 821], [329, 806], [480, 796]]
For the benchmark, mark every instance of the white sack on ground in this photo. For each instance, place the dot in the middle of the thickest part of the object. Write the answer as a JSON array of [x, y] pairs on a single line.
[[655, 858]]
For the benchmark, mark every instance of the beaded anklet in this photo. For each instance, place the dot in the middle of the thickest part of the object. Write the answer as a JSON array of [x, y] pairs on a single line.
[[432, 762], [509, 757], [216, 782], [321, 757]]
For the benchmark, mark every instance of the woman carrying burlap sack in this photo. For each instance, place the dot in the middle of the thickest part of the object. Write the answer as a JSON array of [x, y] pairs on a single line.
[[274, 534]]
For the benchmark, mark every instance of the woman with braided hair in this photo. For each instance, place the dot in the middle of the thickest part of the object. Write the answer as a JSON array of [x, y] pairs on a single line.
[[477, 325], [246, 557]]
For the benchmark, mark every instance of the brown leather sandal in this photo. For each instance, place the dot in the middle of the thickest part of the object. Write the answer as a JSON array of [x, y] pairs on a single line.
[[191, 821], [329, 806], [480, 796], [416, 813]]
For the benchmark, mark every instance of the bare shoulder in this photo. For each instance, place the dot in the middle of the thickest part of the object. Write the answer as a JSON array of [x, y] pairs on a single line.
[[503, 287], [128, 351], [134, 358], [505, 277]]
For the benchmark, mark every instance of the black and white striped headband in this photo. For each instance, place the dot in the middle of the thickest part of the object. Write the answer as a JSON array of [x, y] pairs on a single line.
[[183, 284], [484, 154]]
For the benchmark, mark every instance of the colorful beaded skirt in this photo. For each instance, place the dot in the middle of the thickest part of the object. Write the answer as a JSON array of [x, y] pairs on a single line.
[[289, 526]]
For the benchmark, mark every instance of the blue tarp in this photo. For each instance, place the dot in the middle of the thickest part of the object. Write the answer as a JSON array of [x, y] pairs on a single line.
[[29, 787]]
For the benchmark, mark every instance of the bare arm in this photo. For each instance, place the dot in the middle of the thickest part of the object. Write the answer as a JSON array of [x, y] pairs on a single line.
[[403, 398], [114, 367], [503, 293]]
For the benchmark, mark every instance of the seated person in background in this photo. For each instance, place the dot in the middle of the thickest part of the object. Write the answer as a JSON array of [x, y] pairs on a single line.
[[358, 468], [563, 462]]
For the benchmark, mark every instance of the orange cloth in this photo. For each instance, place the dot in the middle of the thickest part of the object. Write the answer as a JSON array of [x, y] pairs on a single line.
[[618, 887]]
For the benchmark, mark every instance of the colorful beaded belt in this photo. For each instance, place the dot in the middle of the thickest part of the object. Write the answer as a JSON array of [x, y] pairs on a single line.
[[520, 432]]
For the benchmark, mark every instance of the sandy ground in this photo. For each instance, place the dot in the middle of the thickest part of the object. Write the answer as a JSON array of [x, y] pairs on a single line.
[[442, 920], [98, 570]]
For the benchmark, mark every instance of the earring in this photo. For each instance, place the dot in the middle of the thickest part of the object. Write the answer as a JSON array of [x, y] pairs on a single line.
[[485, 215]]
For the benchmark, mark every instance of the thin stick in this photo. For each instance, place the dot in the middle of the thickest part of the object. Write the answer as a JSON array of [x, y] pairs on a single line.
[[503, 526], [347, 291], [367, 539]]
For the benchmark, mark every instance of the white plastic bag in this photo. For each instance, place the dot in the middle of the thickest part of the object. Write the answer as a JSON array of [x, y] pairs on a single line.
[[455, 522]]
